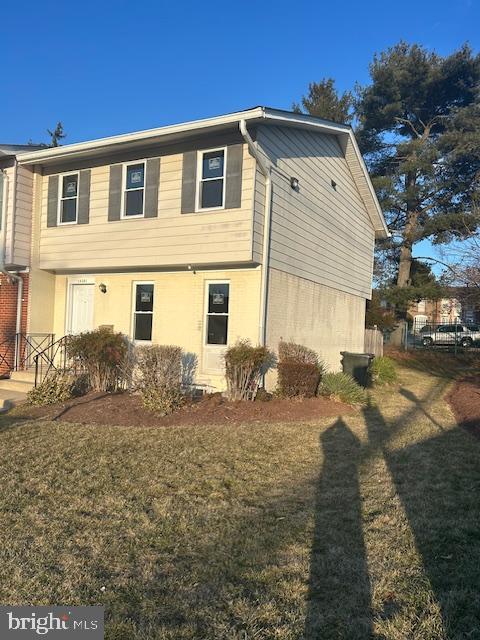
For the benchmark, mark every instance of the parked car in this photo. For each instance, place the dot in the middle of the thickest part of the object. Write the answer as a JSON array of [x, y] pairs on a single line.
[[464, 335]]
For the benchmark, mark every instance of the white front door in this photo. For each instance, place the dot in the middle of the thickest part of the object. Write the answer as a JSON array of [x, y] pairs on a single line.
[[81, 308]]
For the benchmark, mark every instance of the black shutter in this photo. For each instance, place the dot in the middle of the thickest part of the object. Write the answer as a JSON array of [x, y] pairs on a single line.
[[115, 192], [233, 188], [52, 202], [189, 179], [84, 197], [152, 181]]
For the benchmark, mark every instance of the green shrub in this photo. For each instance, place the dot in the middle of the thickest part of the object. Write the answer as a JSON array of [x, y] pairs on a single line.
[[299, 370], [103, 356], [341, 386], [298, 379], [382, 371], [57, 387], [160, 372], [244, 367]]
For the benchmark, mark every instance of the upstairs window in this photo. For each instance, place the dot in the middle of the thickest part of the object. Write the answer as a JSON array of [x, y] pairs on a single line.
[[211, 185], [68, 204], [134, 191]]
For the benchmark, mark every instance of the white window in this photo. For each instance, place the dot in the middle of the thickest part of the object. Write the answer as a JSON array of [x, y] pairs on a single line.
[[218, 295], [133, 190], [142, 311], [68, 198], [211, 179]]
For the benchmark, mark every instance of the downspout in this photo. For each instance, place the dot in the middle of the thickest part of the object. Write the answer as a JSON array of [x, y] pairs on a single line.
[[266, 169], [3, 242]]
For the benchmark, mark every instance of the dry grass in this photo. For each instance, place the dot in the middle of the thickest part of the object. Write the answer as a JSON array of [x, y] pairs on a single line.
[[358, 527]]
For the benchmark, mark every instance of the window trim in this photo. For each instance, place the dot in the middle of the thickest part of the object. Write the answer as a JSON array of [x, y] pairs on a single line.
[[125, 165], [207, 314], [134, 311], [200, 154], [60, 198]]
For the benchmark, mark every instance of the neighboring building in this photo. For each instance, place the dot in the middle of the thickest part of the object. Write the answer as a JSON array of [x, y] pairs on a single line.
[[16, 184], [258, 224], [460, 307]]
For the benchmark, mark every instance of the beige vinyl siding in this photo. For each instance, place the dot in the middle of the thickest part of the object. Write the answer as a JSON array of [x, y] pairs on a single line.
[[318, 233], [258, 215], [171, 239], [19, 222]]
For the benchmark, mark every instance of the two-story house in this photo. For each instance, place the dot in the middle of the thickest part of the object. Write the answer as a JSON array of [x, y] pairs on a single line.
[[258, 224]]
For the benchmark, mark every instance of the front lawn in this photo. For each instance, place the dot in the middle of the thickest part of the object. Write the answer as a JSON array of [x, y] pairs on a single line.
[[354, 527]]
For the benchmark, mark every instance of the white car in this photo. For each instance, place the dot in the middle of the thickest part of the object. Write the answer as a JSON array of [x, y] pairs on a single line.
[[464, 335]]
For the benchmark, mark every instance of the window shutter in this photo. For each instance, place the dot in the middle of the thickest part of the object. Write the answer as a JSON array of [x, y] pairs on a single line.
[[189, 179], [233, 188], [115, 192], [84, 197], [152, 180], [52, 201]]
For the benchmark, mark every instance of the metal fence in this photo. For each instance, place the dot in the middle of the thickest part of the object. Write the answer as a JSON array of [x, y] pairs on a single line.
[[453, 335]]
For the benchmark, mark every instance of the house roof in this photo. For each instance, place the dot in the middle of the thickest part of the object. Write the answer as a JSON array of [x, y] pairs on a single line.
[[218, 124], [11, 150]]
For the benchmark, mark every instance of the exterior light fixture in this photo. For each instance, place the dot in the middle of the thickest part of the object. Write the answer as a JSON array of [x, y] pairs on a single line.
[[103, 287], [334, 184], [294, 183]]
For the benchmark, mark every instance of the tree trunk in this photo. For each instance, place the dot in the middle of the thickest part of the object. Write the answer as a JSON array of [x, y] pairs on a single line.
[[403, 278]]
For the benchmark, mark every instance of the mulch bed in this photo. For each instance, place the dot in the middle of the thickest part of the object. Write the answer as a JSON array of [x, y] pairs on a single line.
[[124, 409], [464, 398]]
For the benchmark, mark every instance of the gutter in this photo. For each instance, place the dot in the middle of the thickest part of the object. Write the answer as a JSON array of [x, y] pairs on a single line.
[[12, 277], [266, 169]]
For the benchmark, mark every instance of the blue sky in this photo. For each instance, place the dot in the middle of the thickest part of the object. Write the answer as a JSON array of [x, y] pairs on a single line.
[[112, 66]]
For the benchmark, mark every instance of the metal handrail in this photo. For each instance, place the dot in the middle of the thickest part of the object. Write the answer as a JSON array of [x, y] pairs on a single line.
[[28, 345], [7, 353], [52, 358]]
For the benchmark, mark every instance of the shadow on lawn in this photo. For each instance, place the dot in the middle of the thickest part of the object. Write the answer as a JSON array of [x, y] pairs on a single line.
[[442, 511], [339, 585]]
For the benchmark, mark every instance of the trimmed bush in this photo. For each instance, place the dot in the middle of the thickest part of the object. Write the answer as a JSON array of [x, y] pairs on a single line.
[[298, 379], [299, 370], [160, 373], [382, 371], [342, 387], [293, 352], [57, 387], [244, 367], [103, 356]]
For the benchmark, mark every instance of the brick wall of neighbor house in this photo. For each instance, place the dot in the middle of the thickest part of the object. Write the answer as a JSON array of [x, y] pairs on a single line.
[[324, 319], [8, 318]]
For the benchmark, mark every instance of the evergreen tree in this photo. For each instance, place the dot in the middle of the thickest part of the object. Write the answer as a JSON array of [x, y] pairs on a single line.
[[56, 135], [420, 129], [324, 101]]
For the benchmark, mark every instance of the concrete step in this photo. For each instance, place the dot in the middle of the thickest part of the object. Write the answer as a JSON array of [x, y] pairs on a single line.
[[23, 376], [9, 399], [14, 386]]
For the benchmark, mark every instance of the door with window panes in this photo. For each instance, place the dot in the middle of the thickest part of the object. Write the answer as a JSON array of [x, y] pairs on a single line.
[[217, 307]]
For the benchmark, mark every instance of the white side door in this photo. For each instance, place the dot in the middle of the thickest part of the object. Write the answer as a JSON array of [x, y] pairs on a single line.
[[81, 308]]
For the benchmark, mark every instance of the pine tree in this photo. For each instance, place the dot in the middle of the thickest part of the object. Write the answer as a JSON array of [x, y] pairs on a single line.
[[324, 101], [56, 135], [420, 130]]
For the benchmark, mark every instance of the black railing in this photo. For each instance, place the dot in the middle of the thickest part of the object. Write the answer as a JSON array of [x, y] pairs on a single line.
[[17, 351], [54, 358], [7, 355]]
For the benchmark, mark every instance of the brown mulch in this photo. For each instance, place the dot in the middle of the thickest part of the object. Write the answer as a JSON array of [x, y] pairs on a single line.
[[124, 409], [464, 398]]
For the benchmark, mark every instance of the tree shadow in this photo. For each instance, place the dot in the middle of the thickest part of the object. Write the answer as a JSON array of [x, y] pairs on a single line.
[[438, 481], [338, 603]]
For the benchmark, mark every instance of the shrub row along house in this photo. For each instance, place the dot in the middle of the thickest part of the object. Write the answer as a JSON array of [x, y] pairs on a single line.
[[254, 225]]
